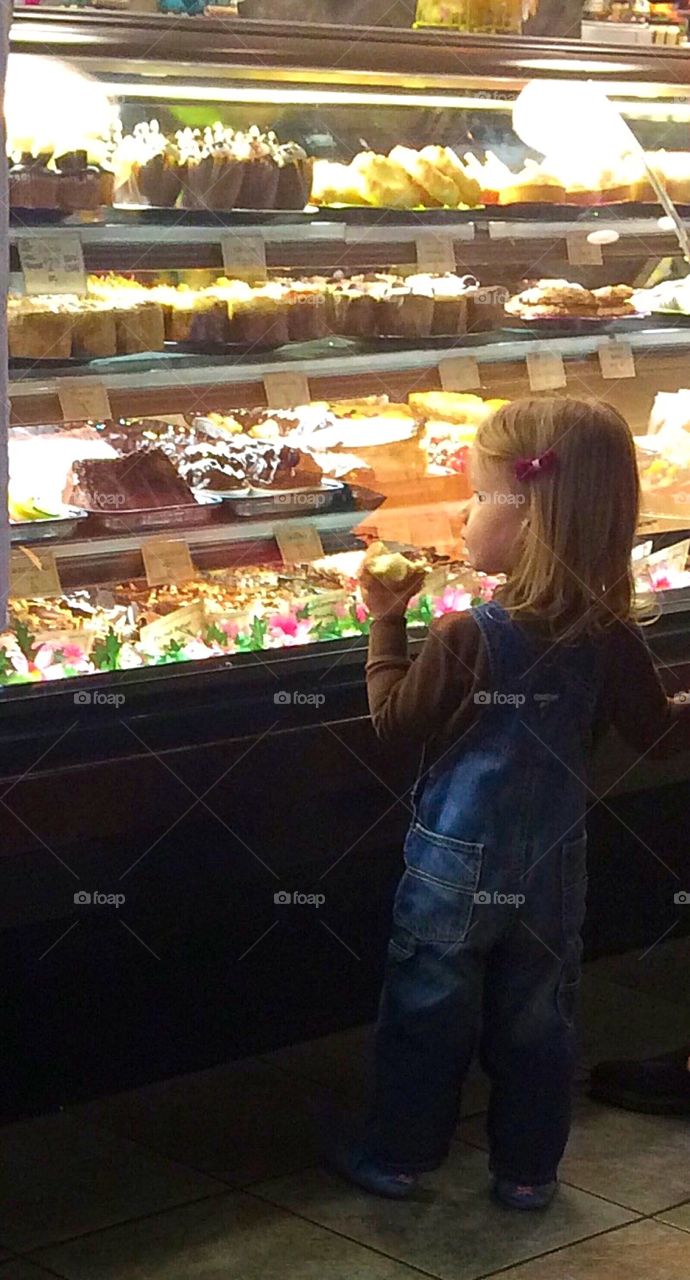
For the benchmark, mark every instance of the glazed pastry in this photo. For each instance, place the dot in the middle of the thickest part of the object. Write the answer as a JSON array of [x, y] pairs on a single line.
[[438, 189]]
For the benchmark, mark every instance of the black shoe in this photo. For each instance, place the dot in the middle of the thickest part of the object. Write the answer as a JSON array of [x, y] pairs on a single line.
[[658, 1086]]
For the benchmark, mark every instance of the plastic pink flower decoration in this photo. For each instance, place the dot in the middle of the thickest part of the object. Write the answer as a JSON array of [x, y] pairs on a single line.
[[453, 600]]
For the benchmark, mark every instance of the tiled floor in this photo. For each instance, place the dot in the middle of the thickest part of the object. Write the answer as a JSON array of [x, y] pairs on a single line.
[[215, 1175]]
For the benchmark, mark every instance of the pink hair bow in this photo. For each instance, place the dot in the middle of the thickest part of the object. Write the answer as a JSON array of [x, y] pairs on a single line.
[[528, 468]]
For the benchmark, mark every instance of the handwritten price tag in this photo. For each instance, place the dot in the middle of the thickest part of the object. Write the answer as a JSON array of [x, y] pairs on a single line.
[[298, 543], [33, 574], [182, 624], [81, 638], [83, 400], [166, 560], [53, 264], [581, 251], [545, 370], [617, 360], [459, 373], [244, 257], [435, 253], [499, 231], [285, 390]]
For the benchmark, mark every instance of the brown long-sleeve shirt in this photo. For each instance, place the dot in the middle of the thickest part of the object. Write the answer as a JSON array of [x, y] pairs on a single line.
[[431, 700]]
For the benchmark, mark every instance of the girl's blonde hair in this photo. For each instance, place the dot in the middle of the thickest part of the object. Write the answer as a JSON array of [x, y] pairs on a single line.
[[573, 569]]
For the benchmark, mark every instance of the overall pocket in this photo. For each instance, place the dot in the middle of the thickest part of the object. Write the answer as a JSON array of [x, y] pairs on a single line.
[[573, 886], [435, 897]]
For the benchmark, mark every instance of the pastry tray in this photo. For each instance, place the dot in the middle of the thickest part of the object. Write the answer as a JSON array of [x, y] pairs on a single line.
[[188, 516], [164, 215], [60, 526], [252, 504], [575, 326]]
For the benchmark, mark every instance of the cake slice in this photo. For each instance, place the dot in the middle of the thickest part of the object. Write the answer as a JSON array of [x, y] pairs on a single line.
[[137, 482]]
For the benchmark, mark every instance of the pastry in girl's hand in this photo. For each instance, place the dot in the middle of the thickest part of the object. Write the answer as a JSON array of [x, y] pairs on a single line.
[[389, 567]]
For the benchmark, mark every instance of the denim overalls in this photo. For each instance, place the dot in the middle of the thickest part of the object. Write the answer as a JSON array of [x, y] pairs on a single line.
[[487, 918]]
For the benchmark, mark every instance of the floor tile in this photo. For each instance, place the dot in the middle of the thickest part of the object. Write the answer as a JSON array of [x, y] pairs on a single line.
[[450, 1228], [343, 1062], [234, 1236], [616, 1021], [640, 1162], [661, 970], [242, 1122], [642, 1251], [679, 1217], [58, 1178]]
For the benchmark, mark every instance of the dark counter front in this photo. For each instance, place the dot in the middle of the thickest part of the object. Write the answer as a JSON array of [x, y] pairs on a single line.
[[196, 801]]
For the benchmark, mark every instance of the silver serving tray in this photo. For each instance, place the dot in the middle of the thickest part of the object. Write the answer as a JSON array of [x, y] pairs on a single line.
[[27, 531], [250, 504], [188, 516]]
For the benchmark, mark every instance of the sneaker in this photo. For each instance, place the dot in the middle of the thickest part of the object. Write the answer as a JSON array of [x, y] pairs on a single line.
[[352, 1162], [518, 1195], [658, 1086]]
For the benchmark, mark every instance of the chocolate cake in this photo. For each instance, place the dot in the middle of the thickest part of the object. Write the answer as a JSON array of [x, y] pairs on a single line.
[[141, 481]]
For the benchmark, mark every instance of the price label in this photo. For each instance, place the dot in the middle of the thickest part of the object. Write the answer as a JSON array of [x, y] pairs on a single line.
[[285, 390], [244, 257], [166, 560], [435, 253], [617, 360], [83, 400], [464, 231], [545, 370], [581, 251], [52, 264], [33, 574], [81, 639], [500, 231], [323, 605], [182, 624], [459, 373], [298, 543]]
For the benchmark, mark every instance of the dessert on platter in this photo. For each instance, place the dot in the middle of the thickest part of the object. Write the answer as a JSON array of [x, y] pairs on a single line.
[[144, 481], [432, 178], [214, 615], [671, 297], [216, 169], [562, 300]]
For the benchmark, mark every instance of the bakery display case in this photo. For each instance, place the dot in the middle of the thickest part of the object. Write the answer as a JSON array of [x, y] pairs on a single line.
[[265, 282]]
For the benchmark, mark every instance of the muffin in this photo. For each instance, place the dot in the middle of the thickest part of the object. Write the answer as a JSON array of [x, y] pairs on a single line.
[[257, 155], [404, 313], [32, 185], [80, 183], [295, 172], [449, 293]]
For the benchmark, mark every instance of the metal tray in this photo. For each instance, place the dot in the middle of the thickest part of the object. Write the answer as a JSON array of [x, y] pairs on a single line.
[[140, 215], [252, 504], [575, 326], [190, 516], [62, 526]]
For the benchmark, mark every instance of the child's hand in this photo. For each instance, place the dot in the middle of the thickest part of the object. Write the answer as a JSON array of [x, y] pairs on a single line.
[[386, 599]]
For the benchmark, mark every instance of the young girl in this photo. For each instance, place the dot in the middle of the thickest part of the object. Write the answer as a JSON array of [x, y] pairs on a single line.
[[507, 699]]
